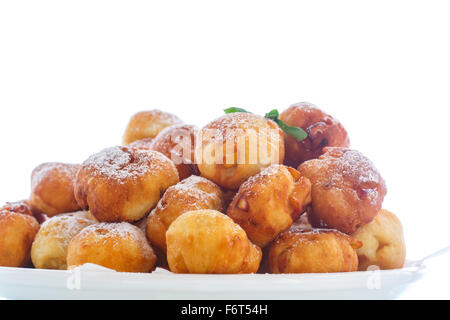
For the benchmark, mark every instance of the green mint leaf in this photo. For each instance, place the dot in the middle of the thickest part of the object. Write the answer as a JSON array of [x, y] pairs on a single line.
[[296, 132], [273, 114], [234, 110]]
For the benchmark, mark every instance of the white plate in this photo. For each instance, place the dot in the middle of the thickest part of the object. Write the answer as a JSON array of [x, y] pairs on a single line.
[[95, 282]]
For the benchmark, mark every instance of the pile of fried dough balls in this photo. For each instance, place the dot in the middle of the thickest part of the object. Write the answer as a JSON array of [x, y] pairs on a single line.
[[316, 207]]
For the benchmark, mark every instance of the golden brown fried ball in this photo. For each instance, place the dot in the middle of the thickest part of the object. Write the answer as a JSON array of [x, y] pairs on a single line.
[[193, 193], [147, 124], [118, 246], [21, 206], [323, 131], [142, 144], [52, 188], [237, 146], [301, 250], [17, 232], [49, 250], [268, 203], [123, 184], [177, 143], [207, 241], [347, 189], [383, 242]]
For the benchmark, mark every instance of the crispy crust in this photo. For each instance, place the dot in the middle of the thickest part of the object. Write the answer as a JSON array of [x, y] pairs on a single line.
[[123, 184], [301, 250], [17, 232], [147, 124], [177, 143], [21, 206], [383, 242], [193, 193], [118, 246], [52, 188], [231, 128], [268, 203], [347, 189], [323, 131], [49, 250], [207, 241]]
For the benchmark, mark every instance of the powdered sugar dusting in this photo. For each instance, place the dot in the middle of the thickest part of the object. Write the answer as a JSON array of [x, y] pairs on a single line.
[[269, 171], [353, 162], [123, 163], [192, 193], [258, 178], [115, 232], [18, 207], [177, 142], [53, 168], [231, 126], [64, 228], [311, 235], [145, 143], [164, 117], [351, 167]]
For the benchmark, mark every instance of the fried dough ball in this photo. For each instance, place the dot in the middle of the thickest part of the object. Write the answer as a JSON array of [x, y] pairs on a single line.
[[301, 223], [301, 250], [123, 184], [207, 241], [118, 246], [268, 203], [383, 242], [17, 232], [347, 189], [193, 193], [21, 206], [323, 131], [24, 207], [142, 144], [52, 188], [147, 124], [49, 250], [177, 143], [237, 146]]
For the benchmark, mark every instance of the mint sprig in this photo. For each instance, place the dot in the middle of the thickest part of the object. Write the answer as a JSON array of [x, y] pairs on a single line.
[[296, 132], [234, 110]]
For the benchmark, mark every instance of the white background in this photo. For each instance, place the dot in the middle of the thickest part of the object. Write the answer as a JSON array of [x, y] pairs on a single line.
[[73, 72]]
